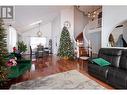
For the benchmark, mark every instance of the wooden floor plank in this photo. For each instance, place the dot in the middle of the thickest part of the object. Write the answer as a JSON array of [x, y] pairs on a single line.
[[51, 65]]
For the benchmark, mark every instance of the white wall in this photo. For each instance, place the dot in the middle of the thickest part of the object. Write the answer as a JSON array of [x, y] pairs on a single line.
[[79, 22], [56, 30], [95, 39], [68, 15], [112, 16], [46, 32]]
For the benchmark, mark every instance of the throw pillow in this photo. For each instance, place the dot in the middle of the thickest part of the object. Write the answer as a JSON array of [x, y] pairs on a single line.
[[101, 62]]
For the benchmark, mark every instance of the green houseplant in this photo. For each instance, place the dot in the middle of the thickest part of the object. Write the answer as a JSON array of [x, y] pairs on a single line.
[[22, 47]]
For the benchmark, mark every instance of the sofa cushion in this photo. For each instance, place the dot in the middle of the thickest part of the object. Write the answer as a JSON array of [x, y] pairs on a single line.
[[123, 60], [22, 69], [19, 69], [111, 55], [97, 71], [101, 62], [117, 77]]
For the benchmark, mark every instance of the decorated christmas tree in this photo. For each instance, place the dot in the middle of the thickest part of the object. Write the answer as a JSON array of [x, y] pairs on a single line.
[[3, 53], [66, 46]]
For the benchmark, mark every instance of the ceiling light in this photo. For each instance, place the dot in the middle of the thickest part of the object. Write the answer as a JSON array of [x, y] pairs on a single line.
[[37, 22], [94, 12], [39, 33], [94, 16], [88, 14]]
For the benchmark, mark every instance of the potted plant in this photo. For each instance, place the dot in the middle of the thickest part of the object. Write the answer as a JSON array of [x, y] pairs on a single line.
[[22, 47]]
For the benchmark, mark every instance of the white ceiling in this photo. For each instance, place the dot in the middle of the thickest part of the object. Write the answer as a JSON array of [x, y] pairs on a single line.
[[26, 15], [89, 9]]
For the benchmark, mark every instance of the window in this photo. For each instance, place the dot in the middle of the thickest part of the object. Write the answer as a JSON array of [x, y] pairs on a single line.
[[12, 38], [34, 41]]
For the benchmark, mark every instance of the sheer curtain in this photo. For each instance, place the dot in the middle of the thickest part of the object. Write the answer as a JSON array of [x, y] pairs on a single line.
[[11, 38]]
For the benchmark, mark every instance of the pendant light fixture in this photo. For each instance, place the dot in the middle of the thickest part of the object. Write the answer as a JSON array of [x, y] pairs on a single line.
[[39, 33]]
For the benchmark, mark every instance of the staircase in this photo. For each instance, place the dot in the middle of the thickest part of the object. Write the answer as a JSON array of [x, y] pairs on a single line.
[[92, 27], [80, 46], [82, 51], [83, 43]]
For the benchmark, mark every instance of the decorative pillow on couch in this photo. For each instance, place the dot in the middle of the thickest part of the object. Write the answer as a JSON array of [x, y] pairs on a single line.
[[101, 62]]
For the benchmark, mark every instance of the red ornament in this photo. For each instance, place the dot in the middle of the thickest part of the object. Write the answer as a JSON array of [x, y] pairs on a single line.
[[14, 49]]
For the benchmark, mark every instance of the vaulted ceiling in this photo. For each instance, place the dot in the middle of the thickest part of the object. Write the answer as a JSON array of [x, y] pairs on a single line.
[[26, 15]]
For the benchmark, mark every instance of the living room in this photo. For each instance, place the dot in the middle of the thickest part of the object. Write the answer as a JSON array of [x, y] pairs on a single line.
[[51, 47]]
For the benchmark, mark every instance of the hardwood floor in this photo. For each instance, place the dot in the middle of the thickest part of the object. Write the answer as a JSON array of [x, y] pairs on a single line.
[[52, 64]]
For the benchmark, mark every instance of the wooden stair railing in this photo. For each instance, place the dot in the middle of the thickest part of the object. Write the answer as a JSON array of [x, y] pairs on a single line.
[[80, 43], [82, 51]]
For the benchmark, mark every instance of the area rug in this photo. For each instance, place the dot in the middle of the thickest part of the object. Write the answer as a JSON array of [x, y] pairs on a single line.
[[67, 80]]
